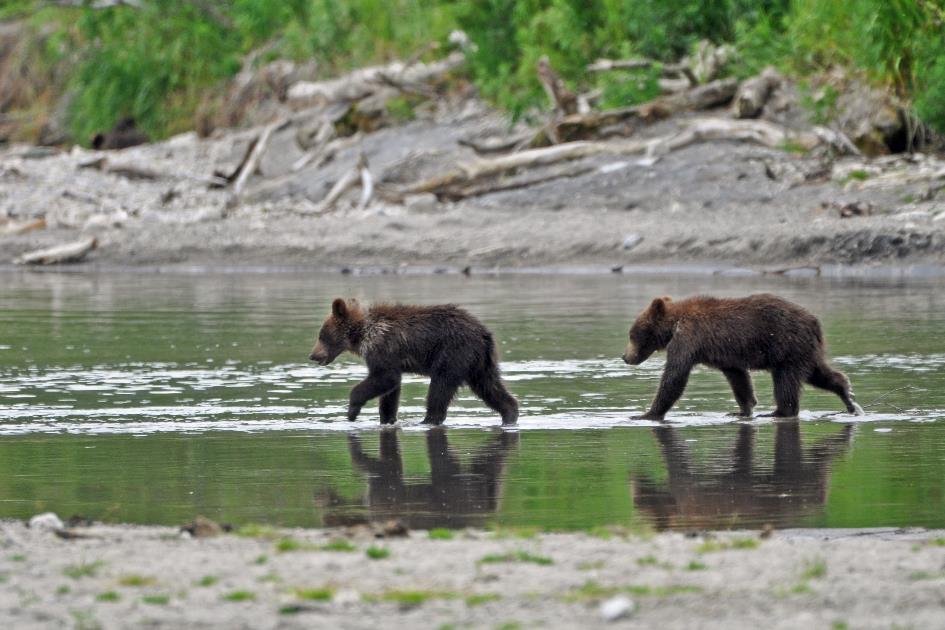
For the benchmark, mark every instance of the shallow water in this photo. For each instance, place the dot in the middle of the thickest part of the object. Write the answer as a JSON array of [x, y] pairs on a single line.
[[151, 398]]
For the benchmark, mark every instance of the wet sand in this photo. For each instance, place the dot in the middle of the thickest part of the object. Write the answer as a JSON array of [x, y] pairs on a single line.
[[120, 576]]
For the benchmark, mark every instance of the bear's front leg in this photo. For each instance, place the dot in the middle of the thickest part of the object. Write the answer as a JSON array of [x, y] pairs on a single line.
[[388, 406], [376, 384], [672, 384]]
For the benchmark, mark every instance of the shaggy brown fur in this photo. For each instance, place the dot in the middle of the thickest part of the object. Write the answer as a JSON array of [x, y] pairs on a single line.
[[759, 332], [443, 342]]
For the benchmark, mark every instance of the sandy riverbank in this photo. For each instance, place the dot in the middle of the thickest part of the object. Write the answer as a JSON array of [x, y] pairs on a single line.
[[122, 576]]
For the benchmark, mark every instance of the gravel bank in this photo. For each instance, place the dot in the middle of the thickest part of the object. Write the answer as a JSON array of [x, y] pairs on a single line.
[[121, 576]]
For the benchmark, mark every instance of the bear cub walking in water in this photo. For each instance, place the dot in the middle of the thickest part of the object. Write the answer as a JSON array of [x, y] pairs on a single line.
[[443, 342], [759, 332]]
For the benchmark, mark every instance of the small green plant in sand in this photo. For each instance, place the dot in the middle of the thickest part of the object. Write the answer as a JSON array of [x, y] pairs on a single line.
[[440, 533], [813, 569], [257, 530], [208, 580], [504, 532], [315, 594], [410, 599], [377, 553], [239, 596], [156, 600], [86, 569], [108, 596], [591, 565], [288, 544], [339, 544], [63, 589], [482, 598], [261, 559], [18, 558], [516, 556], [695, 565], [712, 545], [592, 591], [134, 579]]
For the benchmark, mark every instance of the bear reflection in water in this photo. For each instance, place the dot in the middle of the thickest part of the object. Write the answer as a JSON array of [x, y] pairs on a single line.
[[455, 496], [794, 489]]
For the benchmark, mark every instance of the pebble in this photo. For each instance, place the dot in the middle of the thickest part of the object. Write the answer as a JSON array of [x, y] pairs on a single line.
[[616, 608], [630, 241]]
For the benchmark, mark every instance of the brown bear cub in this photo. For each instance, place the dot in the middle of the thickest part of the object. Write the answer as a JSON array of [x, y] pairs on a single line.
[[443, 342], [759, 332]]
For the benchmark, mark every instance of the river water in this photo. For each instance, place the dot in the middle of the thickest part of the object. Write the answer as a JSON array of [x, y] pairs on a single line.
[[151, 398]]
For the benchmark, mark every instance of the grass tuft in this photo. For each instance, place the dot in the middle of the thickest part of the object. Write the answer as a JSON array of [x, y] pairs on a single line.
[[315, 594], [88, 569], [516, 556], [440, 533], [377, 553], [136, 580], [239, 596], [108, 596]]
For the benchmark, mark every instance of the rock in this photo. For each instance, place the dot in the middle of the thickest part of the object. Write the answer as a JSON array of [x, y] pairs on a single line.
[[202, 527], [630, 241], [394, 528], [47, 521], [421, 203], [940, 216], [616, 608]]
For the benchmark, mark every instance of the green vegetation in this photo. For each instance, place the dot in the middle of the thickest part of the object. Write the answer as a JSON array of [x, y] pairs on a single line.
[[161, 61], [18, 558], [239, 596], [695, 565], [517, 556], [207, 580], [315, 594], [261, 559], [88, 569], [377, 553], [482, 598], [339, 544], [440, 533], [712, 545], [409, 599], [156, 600], [255, 530], [136, 580], [108, 596], [288, 544], [591, 590], [814, 569]]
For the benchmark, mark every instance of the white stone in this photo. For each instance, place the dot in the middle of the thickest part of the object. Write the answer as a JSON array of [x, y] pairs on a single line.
[[422, 202], [616, 608], [46, 521], [630, 241]]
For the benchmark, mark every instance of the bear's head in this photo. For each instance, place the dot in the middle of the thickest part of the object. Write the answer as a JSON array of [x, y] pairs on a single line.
[[340, 331], [652, 331]]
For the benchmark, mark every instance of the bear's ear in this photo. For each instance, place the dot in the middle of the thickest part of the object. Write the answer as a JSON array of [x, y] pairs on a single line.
[[339, 309], [658, 306]]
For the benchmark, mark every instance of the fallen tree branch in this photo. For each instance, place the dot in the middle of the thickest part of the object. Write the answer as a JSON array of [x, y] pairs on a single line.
[[365, 81], [252, 162], [12, 228], [698, 130], [67, 252], [367, 183]]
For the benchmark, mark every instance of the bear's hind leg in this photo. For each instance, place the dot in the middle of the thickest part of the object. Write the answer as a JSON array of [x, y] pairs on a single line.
[[824, 377], [440, 395], [389, 403], [740, 381], [488, 386], [787, 393]]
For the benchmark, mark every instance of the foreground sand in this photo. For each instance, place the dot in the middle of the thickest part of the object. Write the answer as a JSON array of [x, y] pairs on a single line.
[[130, 576]]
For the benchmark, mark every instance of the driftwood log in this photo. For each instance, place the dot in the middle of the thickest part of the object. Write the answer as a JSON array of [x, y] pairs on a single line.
[[457, 183], [13, 228], [753, 93], [366, 81], [65, 253]]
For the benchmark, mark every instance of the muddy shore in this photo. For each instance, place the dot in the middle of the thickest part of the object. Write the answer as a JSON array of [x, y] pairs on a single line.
[[718, 204], [119, 576]]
